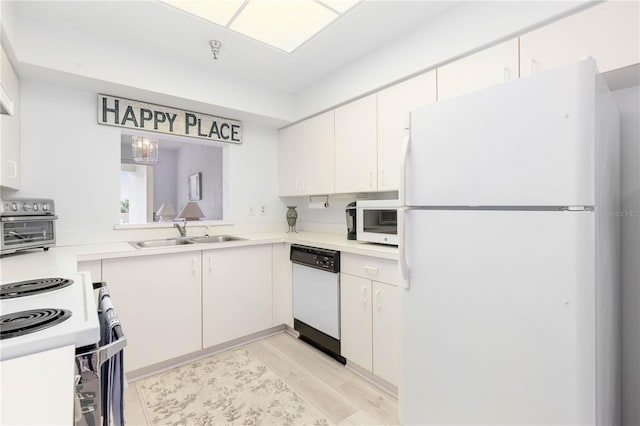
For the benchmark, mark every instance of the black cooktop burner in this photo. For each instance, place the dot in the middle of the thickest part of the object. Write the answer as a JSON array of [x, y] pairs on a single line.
[[26, 322], [30, 287]]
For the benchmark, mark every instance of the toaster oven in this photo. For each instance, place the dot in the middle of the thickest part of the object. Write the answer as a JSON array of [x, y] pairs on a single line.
[[27, 224]]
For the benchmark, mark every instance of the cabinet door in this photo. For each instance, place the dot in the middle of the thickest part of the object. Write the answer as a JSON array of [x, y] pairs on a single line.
[[355, 320], [394, 105], [305, 157], [10, 127], [486, 68], [158, 300], [356, 146], [236, 293], [386, 331], [317, 157], [607, 32], [282, 285], [289, 168]]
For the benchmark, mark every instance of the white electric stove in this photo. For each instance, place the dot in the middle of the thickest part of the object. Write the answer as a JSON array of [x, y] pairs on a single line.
[[45, 313], [52, 354]]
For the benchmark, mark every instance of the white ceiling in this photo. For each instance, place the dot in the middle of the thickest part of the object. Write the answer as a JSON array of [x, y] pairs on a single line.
[[157, 29]]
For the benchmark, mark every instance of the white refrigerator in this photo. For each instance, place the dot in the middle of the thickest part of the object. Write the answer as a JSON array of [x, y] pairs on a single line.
[[509, 253]]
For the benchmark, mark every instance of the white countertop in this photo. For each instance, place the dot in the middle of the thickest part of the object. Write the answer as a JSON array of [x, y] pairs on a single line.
[[64, 259]]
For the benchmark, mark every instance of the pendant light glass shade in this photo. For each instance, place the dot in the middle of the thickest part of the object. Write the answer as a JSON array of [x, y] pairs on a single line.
[[144, 149]]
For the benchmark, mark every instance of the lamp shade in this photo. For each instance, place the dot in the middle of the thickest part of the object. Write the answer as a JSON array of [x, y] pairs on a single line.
[[191, 211], [166, 211]]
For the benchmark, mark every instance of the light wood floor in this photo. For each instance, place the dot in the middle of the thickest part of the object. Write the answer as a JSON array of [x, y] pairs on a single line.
[[341, 395]]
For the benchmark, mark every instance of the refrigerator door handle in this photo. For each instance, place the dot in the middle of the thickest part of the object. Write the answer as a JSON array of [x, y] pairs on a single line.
[[402, 187], [402, 255]]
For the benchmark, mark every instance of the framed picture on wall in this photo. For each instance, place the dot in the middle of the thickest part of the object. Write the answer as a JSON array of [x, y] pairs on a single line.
[[195, 186]]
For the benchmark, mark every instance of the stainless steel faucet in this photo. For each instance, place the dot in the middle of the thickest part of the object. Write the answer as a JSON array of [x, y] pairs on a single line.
[[182, 229]]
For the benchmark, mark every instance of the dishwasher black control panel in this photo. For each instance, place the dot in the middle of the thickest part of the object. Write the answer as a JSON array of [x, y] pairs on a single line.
[[327, 260]]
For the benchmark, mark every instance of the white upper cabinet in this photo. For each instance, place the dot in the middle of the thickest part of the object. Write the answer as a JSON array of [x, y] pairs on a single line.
[[289, 153], [393, 105], [356, 161], [9, 125], [608, 32], [305, 157], [486, 68]]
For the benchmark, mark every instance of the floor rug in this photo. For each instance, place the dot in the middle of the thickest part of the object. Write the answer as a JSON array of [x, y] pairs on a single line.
[[230, 388]]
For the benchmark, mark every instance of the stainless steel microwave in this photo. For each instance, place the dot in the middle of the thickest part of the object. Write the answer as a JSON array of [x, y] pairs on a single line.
[[377, 221]]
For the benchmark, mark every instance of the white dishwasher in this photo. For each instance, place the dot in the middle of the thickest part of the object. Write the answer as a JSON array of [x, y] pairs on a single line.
[[316, 297]]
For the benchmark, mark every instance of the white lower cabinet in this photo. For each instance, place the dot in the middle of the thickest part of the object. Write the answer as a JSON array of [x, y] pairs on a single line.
[[370, 315], [158, 299], [386, 331], [356, 337], [282, 285], [236, 292]]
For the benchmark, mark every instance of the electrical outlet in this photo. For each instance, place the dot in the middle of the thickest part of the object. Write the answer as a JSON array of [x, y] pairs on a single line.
[[263, 210], [252, 211]]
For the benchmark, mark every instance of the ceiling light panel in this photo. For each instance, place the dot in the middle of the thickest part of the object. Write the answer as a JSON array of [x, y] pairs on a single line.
[[285, 24], [217, 11], [340, 6]]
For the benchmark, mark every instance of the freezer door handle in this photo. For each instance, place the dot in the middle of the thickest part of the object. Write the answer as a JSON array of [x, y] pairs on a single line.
[[402, 254], [402, 187]]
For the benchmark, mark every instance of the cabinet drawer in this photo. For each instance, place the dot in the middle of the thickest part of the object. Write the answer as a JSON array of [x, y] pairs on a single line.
[[373, 268]]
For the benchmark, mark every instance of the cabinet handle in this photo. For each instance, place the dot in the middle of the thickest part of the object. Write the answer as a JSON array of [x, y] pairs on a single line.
[[378, 302], [297, 185], [382, 178], [210, 263], [533, 66], [371, 270], [507, 74], [363, 295], [370, 178], [193, 265], [15, 169], [304, 184]]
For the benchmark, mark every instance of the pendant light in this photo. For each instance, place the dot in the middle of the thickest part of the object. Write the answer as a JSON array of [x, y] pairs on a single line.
[[144, 149]]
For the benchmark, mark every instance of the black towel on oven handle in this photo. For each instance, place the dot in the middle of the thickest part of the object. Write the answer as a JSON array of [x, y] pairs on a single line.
[[112, 383]]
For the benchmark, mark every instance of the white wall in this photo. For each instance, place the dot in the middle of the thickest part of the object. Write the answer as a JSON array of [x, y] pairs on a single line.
[[451, 34], [629, 105], [331, 219], [165, 179], [67, 156], [207, 160]]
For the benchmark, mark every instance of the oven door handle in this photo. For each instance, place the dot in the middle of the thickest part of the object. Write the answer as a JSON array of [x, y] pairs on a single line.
[[103, 353], [27, 218]]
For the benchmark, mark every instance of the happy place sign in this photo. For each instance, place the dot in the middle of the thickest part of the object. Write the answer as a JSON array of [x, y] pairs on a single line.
[[132, 114]]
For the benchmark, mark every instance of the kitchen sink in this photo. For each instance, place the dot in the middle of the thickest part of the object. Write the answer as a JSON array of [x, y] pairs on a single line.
[[216, 239], [171, 242], [161, 243]]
